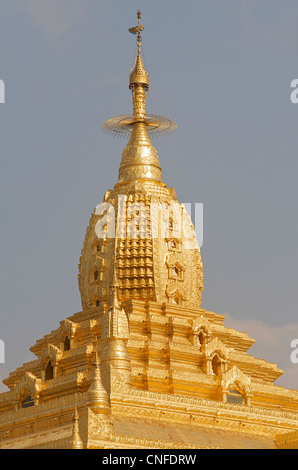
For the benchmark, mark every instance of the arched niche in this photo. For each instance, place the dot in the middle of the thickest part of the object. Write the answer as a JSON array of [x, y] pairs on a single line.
[[27, 390], [26, 401], [49, 360], [236, 387], [66, 343], [49, 371], [66, 330], [216, 354], [216, 366], [235, 395]]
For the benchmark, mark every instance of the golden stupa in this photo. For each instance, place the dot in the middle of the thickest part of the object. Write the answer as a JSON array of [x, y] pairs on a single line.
[[143, 366]]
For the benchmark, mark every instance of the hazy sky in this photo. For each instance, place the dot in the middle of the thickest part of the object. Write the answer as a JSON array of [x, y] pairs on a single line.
[[221, 69]]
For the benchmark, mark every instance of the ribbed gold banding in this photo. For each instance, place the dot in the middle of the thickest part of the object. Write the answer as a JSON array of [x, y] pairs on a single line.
[[139, 158]]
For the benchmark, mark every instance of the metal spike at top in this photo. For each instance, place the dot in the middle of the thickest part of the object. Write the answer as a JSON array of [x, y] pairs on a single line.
[[139, 84], [138, 74], [138, 29]]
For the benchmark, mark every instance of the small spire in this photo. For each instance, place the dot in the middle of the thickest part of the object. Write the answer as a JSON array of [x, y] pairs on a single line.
[[77, 442], [97, 395]]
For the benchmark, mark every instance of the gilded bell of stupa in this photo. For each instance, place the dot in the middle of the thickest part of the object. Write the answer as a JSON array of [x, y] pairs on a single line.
[[143, 365]]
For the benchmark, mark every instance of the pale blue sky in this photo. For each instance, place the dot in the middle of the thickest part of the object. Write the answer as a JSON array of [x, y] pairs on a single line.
[[222, 71]]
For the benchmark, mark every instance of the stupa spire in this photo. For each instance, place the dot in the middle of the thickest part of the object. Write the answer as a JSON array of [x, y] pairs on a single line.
[[139, 158], [139, 78], [76, 438], [97, 395]]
